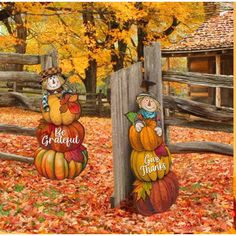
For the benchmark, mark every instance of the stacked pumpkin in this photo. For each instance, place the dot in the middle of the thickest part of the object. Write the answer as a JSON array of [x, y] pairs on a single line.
[[156, 187], [60, 135]]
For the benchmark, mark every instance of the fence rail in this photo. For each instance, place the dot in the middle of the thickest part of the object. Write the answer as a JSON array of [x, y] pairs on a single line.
[[21, 59], [194, 78]]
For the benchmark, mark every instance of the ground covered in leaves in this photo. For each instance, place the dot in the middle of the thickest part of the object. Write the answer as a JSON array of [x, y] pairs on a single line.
[[30, 203]]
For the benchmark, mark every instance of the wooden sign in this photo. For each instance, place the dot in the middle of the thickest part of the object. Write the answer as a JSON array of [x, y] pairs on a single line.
[[60, 135], [150, 159]]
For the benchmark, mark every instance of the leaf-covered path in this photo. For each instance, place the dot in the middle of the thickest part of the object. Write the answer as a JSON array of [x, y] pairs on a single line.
[[30, 203]]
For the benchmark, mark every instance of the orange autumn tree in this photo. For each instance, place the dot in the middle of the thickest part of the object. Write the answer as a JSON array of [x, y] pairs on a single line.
[[94, 39]]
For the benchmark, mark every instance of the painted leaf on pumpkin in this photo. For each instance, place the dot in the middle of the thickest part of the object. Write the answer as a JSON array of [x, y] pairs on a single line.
[[73, 98], [74, 107], [142, 189]]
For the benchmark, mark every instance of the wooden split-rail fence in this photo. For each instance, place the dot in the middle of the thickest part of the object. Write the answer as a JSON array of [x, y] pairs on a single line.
[[22, 88], [125, 85]]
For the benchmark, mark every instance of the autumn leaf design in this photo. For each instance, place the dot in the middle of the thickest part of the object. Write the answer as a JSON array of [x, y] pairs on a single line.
[[70, 102], [131, 116], [142, 189]]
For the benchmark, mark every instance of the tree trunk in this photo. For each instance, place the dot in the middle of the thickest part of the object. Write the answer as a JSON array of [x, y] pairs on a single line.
[[91, 76], [118, 59], [141, 33], [90, 81]]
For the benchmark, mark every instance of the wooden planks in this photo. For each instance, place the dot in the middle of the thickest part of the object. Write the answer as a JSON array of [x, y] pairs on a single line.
[[198, 109], [17, 130], [125, 85], [19, 100], [201, 147], [19, 76], [21, 59], [200, 124], [13, 157], [209, 80], [152, 72]]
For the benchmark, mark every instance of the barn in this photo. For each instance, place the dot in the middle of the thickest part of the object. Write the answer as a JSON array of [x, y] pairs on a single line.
[[209, 50]]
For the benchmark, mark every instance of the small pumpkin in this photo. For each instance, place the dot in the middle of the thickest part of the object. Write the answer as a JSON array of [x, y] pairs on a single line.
[[62, 112], [48, 136], [147, 166], [146, 139], [54, 165], [155, 197]]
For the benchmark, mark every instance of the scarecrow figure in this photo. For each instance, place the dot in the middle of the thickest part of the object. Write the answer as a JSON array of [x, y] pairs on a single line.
[[149, 109], [52, 82]]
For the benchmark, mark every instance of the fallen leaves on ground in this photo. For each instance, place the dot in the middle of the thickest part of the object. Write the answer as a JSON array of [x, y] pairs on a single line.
[[30, 203]]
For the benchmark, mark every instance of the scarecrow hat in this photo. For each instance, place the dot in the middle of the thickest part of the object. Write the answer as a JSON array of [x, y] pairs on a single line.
[[140, 96], [49, 72]]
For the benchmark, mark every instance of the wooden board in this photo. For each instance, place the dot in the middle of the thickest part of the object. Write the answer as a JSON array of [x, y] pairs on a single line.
[[125, 85], [16, 58], [209, 80]]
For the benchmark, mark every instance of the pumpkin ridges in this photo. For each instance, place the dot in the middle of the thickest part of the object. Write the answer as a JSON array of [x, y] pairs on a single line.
[[174, 179], [43, 165], [133, 159], [144, 207], [50, 165], [167, 164], [78, 129], [66, 169], [138, 163], [59, 166], [38, 161], [155, 196], [134, 138], [172, 188], [154, 174], [161, 173], [85, 161], [167, 195], [78, 168], [72, 169]]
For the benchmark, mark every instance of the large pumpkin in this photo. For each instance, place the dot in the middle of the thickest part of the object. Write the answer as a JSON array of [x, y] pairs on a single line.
[[155, 197], [59, 116], [55, 165], [147, 166], [146, 139], [48, 136]]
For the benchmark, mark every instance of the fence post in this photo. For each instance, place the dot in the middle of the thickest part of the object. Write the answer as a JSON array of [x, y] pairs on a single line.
[[99, 96], [125, 85], [153, 72]]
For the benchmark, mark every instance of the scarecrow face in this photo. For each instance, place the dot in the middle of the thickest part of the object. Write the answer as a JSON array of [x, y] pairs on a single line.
[[148, 104], [53, 82]]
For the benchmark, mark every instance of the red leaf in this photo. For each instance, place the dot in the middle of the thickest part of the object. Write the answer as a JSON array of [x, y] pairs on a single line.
[[74, 107]]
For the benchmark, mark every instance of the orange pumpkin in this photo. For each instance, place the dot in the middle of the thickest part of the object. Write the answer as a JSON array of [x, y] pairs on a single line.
[[160, 196], [48, 136], [146, 139], [62, 111], [55, 165]]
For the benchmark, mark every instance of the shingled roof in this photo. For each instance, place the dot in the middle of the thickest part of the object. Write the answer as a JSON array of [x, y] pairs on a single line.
[[215, 33]]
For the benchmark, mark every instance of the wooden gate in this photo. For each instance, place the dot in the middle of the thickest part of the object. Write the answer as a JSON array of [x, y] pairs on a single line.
[[126, 84]]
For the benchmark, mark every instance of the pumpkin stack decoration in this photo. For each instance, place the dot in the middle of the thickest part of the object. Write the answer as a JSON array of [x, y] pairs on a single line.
[[156, 186], [60, 135]]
